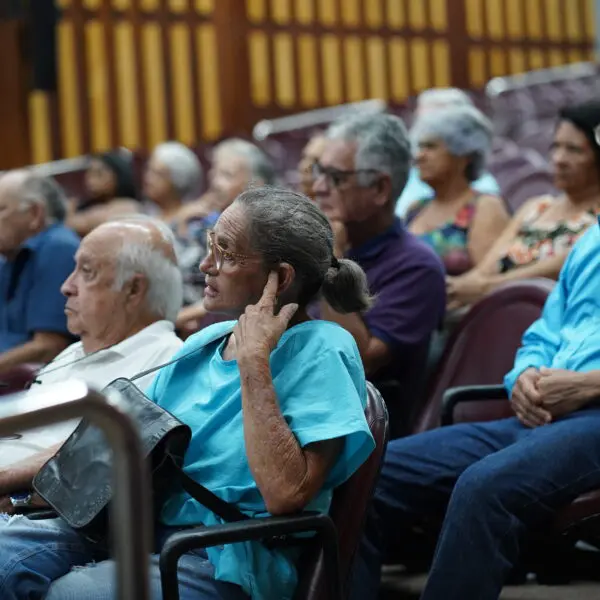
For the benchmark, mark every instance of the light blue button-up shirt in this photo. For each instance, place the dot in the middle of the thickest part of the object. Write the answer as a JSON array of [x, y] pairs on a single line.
[[567, 335]]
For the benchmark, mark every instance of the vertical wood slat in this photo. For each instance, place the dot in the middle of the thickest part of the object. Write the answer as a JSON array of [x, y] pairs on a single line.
[[111, 61], [166, 58], [81, 78], [140, 74], [192, 46]]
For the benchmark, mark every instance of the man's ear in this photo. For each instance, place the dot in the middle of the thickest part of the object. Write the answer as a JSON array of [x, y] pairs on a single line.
[[383, 187], [38, 216], [137, 288]]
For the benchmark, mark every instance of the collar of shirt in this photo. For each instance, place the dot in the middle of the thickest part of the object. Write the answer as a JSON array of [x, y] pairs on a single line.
[[127, 347], [374, 247]]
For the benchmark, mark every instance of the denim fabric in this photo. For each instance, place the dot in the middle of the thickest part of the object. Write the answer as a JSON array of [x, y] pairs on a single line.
[[47, 559], [495, 480]]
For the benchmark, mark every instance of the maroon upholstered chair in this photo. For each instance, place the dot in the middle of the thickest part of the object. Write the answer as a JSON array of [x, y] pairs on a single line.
[[324, 571], [18, 378], [482, 347]]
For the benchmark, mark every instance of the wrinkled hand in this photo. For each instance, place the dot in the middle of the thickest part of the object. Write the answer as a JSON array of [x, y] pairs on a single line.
[[259, 329], [526, 400], [561, 391], [340, 238], [464, 290]]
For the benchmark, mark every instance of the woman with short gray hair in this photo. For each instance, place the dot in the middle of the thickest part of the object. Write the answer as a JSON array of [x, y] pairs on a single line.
[[450, 148]]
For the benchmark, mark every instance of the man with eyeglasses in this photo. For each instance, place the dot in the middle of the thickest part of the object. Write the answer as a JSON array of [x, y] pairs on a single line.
[[363, 169]]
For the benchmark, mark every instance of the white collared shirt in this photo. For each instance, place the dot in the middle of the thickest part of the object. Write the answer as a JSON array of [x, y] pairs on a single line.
[[152, 346]]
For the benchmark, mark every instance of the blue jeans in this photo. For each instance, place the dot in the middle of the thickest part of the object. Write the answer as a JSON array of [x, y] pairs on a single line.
[[47, 559], [495, 480]]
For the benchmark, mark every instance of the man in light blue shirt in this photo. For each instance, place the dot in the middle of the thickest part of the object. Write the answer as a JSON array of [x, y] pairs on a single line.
[[498, 480], [432, 100]]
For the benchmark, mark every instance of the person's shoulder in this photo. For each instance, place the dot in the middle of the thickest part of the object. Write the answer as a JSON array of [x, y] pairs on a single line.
[[208, 335], [60, 236], [589, 241], [317, 338]]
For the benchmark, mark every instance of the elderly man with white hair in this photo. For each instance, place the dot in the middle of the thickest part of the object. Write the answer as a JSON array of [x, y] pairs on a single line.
[[36, 255], [428, 102], [122, 299]]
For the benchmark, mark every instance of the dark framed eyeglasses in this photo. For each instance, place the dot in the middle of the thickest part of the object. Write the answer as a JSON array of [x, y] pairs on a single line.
[[336, 177], [221, 255]]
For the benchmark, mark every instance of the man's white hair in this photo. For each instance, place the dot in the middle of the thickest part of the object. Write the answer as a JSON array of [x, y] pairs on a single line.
[[139, 255], [259, 164], [183, 166], [443, 98]]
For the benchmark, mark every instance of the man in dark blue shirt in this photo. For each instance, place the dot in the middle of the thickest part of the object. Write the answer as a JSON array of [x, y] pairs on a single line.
[[36, 256]]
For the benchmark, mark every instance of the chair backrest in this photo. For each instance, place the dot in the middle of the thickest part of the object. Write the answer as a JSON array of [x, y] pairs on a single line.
[[349, 507], [481, 350], [17, 378]]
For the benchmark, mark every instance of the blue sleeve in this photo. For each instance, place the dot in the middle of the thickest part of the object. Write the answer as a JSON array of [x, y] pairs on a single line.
[[487, 184], [323, 398], [45, 302], [542, 339]]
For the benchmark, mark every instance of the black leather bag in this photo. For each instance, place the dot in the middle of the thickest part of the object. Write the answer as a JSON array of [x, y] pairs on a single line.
[[77, 481]]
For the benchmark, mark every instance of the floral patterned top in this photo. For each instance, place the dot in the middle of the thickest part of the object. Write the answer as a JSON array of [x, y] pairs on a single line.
[[452, 237], [537, 242]]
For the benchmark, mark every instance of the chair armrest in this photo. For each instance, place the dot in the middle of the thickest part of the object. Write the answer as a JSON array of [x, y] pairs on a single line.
[[469, 393], [266, 528]]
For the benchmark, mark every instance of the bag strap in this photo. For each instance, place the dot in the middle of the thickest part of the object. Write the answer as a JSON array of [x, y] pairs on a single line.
[[228, 512], [175, 360]]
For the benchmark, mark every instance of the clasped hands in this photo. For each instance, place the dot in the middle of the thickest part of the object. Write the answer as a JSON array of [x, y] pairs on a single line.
[[541, 396]]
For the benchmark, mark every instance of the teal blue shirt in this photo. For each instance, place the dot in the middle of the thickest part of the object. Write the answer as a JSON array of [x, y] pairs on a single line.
[[567, 335], [320, 385]]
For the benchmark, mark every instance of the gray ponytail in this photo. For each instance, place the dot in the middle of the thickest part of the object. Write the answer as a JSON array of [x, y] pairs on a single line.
[[345, 288], [285, 226]]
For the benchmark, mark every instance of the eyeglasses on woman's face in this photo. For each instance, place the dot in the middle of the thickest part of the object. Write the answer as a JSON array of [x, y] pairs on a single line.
[[222, 256]]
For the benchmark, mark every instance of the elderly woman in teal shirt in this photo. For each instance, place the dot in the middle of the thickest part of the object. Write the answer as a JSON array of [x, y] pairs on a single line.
[[275, 402]]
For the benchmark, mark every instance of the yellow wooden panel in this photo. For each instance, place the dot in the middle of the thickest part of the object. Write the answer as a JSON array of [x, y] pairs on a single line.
[[395, 14], [285, 90], [589, 16], [416, 14], [121, 4], [534, 19], [281, 11], [39, 127], [208, 77], [441, 63], [350, 12], [127, 92], [97, 85], [150, 5], [439, 18], [307, 60], [536, 59], [178, 6], [92, 4], [205, 7], [571, 10], [514, 18], [327, 12], [398, 72], [474, 13], [497, 62], [556, 57], [420, 64], [354, 68], [477, 71], [376, 68], [576, 55], [259, 68], [69, 114], [517, 61], [256, 10], [182, 88], [373, 13], [304, 12], [332, 69], [152, 54], [495, 21], [553, 20], [63, 3]]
